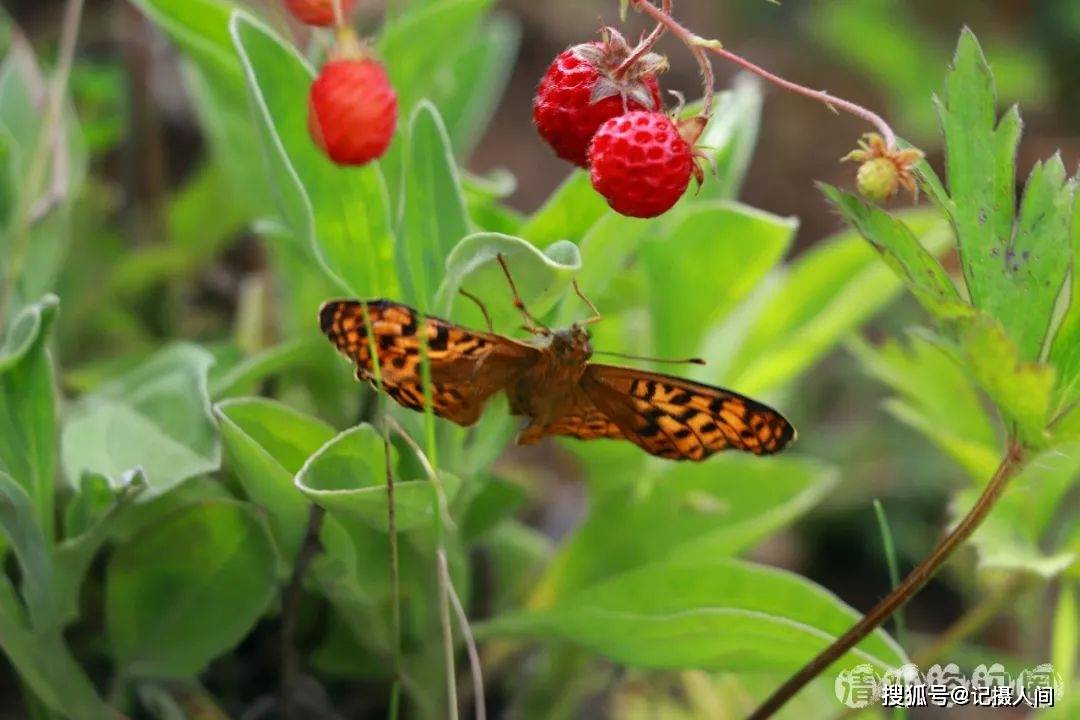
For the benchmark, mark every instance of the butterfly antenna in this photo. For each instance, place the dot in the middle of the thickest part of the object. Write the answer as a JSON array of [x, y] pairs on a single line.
[[531, 324], [665, 361], [596, 313], [480, 304]]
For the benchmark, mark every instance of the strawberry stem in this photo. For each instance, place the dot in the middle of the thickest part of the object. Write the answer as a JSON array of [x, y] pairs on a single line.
[[646, 45], [699, 47]]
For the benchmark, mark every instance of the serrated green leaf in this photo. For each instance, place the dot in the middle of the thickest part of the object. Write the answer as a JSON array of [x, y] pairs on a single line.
[[1020, 389], [936, 397], [1013, 536], [715, 615], [1014, 271], [901, 250], [1065, 351]]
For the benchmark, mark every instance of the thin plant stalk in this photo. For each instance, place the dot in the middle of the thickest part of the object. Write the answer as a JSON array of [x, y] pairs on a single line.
[[915, 580], [440, 550], [475, 668], [890, 562]]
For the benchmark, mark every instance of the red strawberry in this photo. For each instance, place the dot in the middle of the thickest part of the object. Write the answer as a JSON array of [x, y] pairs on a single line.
[[584, 88], [317, 12], [642, 163], [352, 111]]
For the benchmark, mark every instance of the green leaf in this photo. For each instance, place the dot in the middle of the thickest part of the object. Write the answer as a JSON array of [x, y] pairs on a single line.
[[568, 214], [935, 396], [72, 558], [707, 236], [475, 82], [542, 278], [791, 322], [266, 444], [1013, 536], [45, 664], [216, 82], [1020, 389], [418, 44], [1013, 273], [435, 218], [495, 501], [1066, 630], [685, 512], [93, 498], [186, 590], [1065, 352], [901, 250], [347, 476], [31, 548], [714, 615], [155, 417], [28, 407], [339, 215]]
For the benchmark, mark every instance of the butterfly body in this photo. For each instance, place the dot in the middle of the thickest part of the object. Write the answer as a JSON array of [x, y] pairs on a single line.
[[550, 381]]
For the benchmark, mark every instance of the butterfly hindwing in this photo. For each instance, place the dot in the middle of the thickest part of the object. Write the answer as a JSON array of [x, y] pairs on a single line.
[[684, 420], [467, 366]]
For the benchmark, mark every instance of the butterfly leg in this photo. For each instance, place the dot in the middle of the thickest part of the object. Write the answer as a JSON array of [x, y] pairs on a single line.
[[531, 324], [479, 304], [597, 317]]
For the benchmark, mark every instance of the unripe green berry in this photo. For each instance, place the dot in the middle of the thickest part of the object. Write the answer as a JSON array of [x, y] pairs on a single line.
[[878, 179]]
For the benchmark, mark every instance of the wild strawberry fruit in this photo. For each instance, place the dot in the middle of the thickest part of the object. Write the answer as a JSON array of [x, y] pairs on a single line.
[[642, 162], [352, 110], [588, 85], [884, 170], [317, 12]]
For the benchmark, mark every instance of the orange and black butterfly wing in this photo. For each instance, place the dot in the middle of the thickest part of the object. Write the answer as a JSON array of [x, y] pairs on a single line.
[[467, 367], [681, 419], [578, 418]]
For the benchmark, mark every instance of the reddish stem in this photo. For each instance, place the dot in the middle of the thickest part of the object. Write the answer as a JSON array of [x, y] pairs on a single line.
[[699, 45], [645, 46]]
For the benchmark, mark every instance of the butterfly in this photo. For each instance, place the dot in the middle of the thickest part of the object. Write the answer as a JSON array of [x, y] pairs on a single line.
[[549, 380]]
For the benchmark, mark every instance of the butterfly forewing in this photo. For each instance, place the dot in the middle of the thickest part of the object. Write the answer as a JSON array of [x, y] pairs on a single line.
[[680, 419], [467, 367]]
